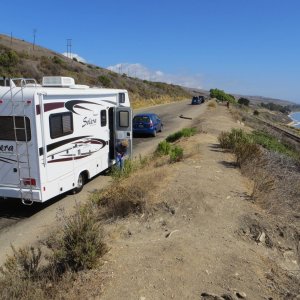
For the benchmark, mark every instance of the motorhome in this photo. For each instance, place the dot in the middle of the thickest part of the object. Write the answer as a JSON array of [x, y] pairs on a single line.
[[57, 135]]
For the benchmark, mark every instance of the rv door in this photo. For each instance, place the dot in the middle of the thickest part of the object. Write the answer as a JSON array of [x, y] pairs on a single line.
[[123, 127]]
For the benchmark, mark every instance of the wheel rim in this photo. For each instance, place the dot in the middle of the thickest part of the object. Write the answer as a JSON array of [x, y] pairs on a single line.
[[80, 181]]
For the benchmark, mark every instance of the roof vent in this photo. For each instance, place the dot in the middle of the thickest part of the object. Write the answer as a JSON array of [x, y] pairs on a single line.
[[58, 81]]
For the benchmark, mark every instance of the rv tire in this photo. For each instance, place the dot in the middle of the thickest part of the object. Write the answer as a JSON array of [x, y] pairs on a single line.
[[80, 183]]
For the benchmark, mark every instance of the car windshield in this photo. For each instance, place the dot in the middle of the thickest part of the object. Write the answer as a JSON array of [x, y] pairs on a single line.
[[144, 119]]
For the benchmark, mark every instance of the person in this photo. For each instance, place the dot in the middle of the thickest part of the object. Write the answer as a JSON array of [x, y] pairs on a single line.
[[227, 104], [121, 150]]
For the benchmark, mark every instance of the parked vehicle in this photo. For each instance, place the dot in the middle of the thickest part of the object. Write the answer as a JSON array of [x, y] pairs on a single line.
[[201, 99], [197, 100], [57, 135], [148, 123]]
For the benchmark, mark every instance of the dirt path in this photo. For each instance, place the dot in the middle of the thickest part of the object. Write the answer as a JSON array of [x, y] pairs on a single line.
[[198, 245]]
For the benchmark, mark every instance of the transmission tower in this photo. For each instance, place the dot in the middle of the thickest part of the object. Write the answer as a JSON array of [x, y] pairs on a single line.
[[69, 48]]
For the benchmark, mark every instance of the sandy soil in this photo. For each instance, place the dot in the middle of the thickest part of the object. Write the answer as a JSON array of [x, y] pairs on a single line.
[[205, 239]]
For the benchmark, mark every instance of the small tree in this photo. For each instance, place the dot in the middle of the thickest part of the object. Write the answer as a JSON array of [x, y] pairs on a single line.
[[244, 101]]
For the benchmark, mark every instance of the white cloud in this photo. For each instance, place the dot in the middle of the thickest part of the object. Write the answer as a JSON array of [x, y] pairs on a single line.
[[142, 72], [74, 55]]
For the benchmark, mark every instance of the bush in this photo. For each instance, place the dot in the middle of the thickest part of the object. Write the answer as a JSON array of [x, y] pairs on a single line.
[[229, 140], [57, 60], [185, 132], [119, 201], [176, 154], [212, 104], [255, 112], [21, 275], [24, 263], [80, 243], [105, 81], [9, 58], [244, 101], [163, 148]]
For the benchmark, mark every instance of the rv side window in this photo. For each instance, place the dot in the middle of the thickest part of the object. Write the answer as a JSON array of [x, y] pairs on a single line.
[[103, 118], [124, 118], [61, 124], [7, 131], [121, 98]]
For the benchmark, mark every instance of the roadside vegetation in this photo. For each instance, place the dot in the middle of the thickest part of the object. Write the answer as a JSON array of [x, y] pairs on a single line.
[[272, 165], [47, 271]]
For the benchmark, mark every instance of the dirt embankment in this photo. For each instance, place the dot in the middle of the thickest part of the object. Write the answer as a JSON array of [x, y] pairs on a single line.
[[201, 238]]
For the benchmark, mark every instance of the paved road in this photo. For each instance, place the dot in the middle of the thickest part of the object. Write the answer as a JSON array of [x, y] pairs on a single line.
[[22, 225]]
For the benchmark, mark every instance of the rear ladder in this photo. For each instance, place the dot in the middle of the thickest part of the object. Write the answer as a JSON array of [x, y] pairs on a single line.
[[22, 159]]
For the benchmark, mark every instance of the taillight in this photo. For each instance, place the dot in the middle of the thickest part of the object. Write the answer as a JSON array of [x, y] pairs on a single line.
[[151, 123], [29, 181]]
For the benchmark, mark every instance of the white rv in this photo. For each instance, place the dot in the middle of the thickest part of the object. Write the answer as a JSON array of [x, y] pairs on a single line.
[[55, 136]]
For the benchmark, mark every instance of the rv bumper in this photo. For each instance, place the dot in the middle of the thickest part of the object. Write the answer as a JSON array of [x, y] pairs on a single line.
[[25, 194]]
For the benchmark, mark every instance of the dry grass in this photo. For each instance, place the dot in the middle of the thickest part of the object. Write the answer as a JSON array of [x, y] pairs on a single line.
[[133, 195], [138, 102], [212, 104]]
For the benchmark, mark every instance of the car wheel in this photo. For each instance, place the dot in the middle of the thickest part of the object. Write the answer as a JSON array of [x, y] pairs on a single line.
[[154, 133], [80, 183]]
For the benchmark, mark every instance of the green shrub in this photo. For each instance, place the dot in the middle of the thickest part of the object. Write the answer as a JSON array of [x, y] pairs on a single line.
[[273, 144], [229, 140], [129, 167], [176, 154], [185, 132], [255, 112], [57, 60], [9, 58], [104, 80], [163, 148]]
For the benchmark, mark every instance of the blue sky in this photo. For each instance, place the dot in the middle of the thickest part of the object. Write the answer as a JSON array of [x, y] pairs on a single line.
[[240, 46]]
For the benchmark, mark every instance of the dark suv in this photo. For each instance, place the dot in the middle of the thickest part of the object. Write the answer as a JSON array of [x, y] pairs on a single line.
[[197, 100]]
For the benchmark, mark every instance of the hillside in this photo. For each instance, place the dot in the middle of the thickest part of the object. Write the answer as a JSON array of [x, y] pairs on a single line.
[[19, 58]]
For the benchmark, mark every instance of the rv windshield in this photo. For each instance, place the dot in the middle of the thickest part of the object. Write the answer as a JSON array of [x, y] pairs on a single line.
[[11, 131]]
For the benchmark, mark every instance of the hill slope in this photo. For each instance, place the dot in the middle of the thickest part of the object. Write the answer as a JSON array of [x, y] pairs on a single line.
[[19, 58]]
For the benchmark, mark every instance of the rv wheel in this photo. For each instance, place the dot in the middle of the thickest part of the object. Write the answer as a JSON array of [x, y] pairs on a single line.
[[80, 183]]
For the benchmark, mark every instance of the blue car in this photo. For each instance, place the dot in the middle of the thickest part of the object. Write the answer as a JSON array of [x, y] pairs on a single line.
[[147, 123]]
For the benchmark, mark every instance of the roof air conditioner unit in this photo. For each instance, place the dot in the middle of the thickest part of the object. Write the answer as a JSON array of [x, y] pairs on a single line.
[[58, 81]]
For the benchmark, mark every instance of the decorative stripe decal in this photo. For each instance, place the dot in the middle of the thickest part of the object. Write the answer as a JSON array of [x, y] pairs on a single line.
[[70, 105], [9, 160], [49, 106], [61, 143], [67, 159]]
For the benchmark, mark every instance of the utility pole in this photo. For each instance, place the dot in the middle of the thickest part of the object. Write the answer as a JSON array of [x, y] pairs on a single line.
[[34, 33], [69, 48]]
